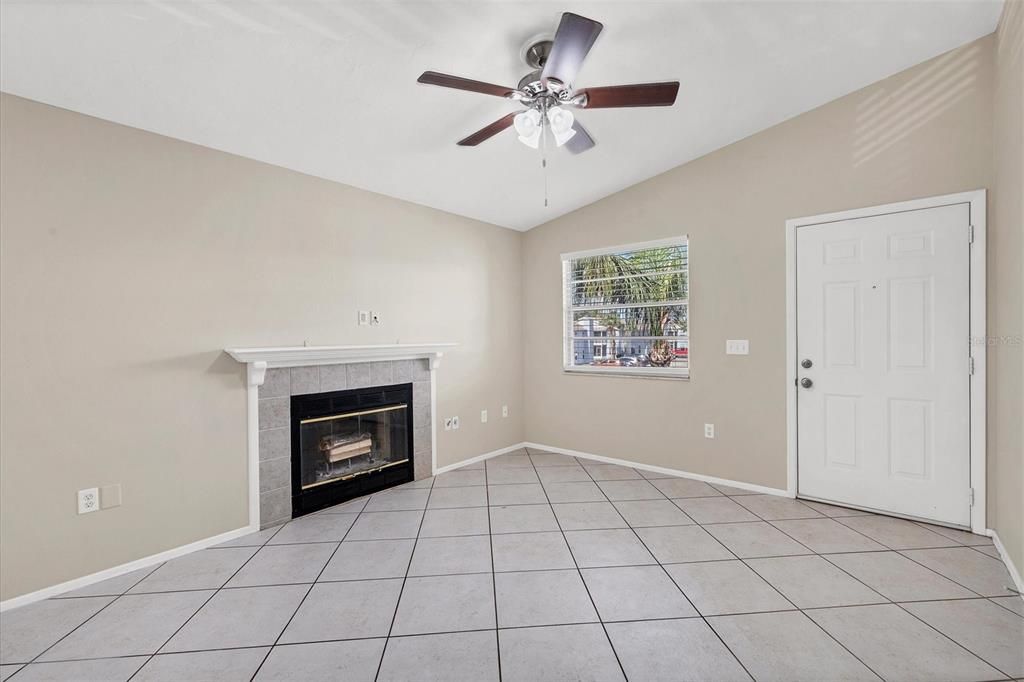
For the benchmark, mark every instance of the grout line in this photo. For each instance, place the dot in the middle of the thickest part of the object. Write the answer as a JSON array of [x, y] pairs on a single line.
[[494, 580], [888, 601], [993, 600], [672, 580], [551, 506], [405, 578], [696, 616], [803, 611], [900, 552], [945, 636], [305, 596], [124, 594], [320, 581], [203, 605], [579, 573]]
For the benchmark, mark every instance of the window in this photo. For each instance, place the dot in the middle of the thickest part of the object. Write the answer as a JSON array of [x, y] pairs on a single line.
[[626, 309]]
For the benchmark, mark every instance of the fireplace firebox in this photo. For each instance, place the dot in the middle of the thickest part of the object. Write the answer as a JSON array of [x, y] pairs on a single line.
[[349, 443]]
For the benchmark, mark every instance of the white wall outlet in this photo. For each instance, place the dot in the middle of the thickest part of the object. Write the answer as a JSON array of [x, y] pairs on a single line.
[[455, 423], [88, 500], [364, 318], [374, 318], [110, 496], [737, 347], [709, 430], [483, 416], [504, 410], [447, 423]]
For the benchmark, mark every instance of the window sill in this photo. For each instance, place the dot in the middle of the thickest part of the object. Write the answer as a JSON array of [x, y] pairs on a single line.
[[676, 375]]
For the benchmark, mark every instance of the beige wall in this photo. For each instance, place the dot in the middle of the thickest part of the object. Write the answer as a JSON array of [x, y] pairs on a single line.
[[1006, 315], [129, 260], [923, 132]]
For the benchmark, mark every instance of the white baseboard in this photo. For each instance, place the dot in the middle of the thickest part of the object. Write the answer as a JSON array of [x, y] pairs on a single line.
[[753, 487], [115, 571], [480, 458], [1010, 566], [145, 562]]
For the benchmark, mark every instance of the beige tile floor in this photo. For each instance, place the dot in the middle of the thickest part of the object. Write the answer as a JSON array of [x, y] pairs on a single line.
[[537, 566]]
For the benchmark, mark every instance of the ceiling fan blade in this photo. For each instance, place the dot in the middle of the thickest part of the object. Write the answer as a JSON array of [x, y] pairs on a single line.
[[641, 95], [581, 141], [446, 81], [488, 131], [573, 40]]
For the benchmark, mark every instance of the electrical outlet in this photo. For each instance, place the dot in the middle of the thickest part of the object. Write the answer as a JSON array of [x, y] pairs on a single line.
[[504, 410], [364, 318], [88, 500], [374, 318], [447, 423], [709, 430], [110, 496], [455, 423], [483, 416]]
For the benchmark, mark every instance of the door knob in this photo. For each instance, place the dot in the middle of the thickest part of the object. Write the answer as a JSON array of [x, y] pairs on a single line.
[[806, 364], [806, 383]]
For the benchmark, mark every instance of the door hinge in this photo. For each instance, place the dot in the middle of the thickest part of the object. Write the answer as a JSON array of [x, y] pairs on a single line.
[[970, 234], [970, 360], [970, 496]]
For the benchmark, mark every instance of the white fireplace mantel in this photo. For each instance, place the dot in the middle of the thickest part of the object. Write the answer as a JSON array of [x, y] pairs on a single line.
[[260, 359]]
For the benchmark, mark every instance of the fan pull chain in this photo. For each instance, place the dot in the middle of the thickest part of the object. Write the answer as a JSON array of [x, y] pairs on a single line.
[[544, 164], [544, 155]]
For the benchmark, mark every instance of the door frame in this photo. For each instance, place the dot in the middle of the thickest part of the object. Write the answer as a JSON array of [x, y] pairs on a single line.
[[977, 345]]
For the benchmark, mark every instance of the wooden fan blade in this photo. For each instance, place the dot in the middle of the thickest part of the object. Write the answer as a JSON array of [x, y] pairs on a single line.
[[458, 83], [488, 132], [573, 40], [581, 141], [641, 95]]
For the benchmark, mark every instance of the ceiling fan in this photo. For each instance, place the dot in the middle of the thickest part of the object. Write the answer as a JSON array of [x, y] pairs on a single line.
[[548, 91]]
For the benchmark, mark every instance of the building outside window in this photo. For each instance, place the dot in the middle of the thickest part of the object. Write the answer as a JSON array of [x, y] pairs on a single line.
[[626, 309]]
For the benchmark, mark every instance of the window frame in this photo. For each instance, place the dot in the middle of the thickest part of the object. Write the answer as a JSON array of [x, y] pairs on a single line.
[[677, 373]]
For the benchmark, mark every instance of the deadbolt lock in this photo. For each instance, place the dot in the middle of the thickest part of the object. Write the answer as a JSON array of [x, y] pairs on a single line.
[[806, 363]]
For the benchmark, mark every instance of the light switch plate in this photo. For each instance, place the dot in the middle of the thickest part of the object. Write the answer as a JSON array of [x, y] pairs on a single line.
[[364, 318], [110, 496], [709, 430], [483, 416], [737, 347]]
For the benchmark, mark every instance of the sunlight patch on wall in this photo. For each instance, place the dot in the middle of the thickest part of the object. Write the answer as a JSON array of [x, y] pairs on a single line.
[[888, 118]]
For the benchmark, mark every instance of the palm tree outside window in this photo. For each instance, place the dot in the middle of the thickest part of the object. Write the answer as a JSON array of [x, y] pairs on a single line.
[[626, 309]]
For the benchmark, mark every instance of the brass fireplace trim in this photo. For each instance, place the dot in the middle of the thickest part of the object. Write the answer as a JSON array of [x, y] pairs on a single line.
[[355, 475], [390, 408]]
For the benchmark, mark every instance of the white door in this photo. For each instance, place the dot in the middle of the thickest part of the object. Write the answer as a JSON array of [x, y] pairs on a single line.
[[883, 362]]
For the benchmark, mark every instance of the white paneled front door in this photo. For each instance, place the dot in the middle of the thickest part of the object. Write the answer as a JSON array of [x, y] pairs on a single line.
[[883, 362]]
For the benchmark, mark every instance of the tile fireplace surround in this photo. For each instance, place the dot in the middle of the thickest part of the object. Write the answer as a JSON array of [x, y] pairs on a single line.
[[276, 374]]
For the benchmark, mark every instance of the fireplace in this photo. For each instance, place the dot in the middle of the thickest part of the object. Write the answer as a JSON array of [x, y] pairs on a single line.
[[349, 443]]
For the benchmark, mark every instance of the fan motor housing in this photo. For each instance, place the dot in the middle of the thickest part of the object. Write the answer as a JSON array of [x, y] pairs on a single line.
[[535, 52]]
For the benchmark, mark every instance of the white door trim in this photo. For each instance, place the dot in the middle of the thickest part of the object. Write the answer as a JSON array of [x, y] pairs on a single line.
[[976, 200]]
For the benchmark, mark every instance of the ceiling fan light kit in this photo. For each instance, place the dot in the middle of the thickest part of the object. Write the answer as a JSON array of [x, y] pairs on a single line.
[[548, 89], [548, 92]]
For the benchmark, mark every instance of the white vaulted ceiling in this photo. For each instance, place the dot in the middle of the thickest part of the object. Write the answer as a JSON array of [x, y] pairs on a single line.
[[329, 88]]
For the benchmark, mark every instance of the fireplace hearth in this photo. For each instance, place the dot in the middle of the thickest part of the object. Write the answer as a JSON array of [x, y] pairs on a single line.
[[349, 443]]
